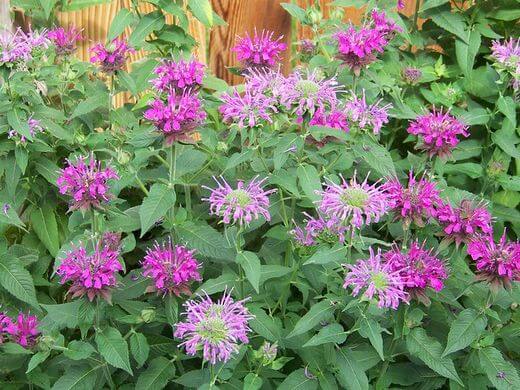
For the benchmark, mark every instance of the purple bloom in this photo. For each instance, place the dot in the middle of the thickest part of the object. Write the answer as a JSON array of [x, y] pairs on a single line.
[[214, 328], [91, 274], [438, 132], [179, 116], [411, 75], [496, 262], [269, 82], [19, 47], [465, 222], [249, 109], [243, 204], [171, 267], [320, 230], [377, 279], [400, 4], [336, 119], [86, 182], [65, 40], [367, 116], [176, 76], [507, 56], [34, 128], [385, 26], [111, 57], [415, 202], [307, 47], [261, 51], [269, 351], [24, 331], [354, 203]]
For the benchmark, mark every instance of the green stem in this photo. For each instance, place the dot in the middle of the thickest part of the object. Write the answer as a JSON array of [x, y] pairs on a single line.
[[141, 185], [416, 15], [172, 163], [187, 197], [93, 223], [382, 373]]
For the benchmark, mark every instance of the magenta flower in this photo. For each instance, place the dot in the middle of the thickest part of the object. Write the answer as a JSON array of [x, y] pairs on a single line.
[[92, 274], [336, 119], [359, 48], [400, 4], [411, 75], [24, 331], [65, 40], [270, 83], [507, 57], [354, 203], [384, 25], [367, 116], [5, 321], [418, 267], [111, 57], [318, 230], [498, 263], [240, 205], [249, 109], [465, 222], [86, 182], [415, 202], [178, 117], [377, 279], [261, 51], [215, 328], [438, 132], [171, 267], [309, 92], [34, 128], [176, 76]]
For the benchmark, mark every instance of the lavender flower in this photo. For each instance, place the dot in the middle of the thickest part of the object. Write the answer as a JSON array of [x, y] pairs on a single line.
[[111, 57], [377, 279], [367, 116], [65, 41], [240, 205], [319, 230], [214, 328], [24, 331], [354, 203], [336, 119], [19, 48], [34, 128], [176, 76], [507, 57], [171, 267], [86, 182], [260, 51]]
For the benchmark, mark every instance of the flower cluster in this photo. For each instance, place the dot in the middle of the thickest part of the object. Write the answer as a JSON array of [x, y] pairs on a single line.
[[438, 132], [248, 109], [176, 76], [34, 127], [318, 230], [19, 48], [507, 57], [23, 330], [241, 205], [366, 116], [260, 51], [216, 328], [86, 182], [111, 57], [65, 40], [172, 268], [336, 119]]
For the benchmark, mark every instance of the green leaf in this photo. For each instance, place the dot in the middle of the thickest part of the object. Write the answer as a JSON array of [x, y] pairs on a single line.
[[318, 312], [75, 5], [451, 22], [349, 373], [155, 206], [371, 330], [45, 226], [333, 333], [471, 169], [295, 11], [506, 139], [328, 255], [122, 20], [507, 106], [79, 350], [36, 360], [61, 316], [252, 382], [17, 280], [147, 24], [374, 155], [16, 119], [113, 348], [309, 180], [139, 348], [47, 6], [90, 104], [506, 14], [466, 52], [250, 263], [429, 350], [465, 329], [77, 378], [202, 11], [219, 284], [206, 240], [428, 4], [157, 375], [298, 380], [495, 366], [264, 325]]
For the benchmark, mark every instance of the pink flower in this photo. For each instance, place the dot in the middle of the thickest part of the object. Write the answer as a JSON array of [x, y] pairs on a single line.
[[65, 40], [318, 230], [438, 132], [465, 222], [24, 331], [377, 279], [19, 47], [336, 119], [415, 202], [261, 51], [249, 109], [34, 128], [215, 328], [91, 274], [354, 203], [171, 267], [370, 117], [240, 205], [111, 57], [176, 76], [86, 182], [507, 57], [384, 25], [400, 4]]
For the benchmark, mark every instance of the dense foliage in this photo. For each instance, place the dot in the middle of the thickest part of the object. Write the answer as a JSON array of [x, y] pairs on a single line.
[[352, 224]]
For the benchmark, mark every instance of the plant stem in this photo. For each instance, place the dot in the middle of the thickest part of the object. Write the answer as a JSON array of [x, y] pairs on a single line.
[[416, 15], [172, 163]]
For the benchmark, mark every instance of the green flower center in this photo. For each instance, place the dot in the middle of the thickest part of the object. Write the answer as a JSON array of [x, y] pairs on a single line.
[[307, 87], [239, 197], [354, 197], [379, 280], [213, 328]]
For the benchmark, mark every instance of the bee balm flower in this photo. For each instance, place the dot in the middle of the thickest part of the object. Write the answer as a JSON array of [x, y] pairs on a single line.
[[111, 57], [24, 331], [175, 76], [260, 51], [64, 40]]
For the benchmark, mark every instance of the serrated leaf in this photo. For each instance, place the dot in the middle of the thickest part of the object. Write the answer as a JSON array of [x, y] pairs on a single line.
[[375, 156], [371, 330], [139, 348], [219, 284], [36, 360], [155, 206], [79, 350], [16, 119], [298, 380], [466, 52], [294, 11], [157, 375], [252, 382], [77, 378], [318, 312], [251, 265], [507, 106], [429, 350], [206, 240], [451, 22], [146, 25], [501, 373], [429, 4], [113, 348], [45, 226], [202, 11], [122, 20], [17, 280], [350, 374], [61, 316], [309, 180], [264, 325], [90, 104], [465, 329], [333, 333], [328, 255]]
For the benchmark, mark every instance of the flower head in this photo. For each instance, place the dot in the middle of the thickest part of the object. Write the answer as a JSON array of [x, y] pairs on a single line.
[[91, 274], [354, 203], [377, 279], [463, 223], [367, 116], [438, 132], [65, 40], [24, 331], [318, 230], [111, 57], [336, 119], [240, 205], [358, 48], [507, 57], [411, 75], [175, 76], [215, 328], [260, 51], [387, 27], [34, 128], [415, 202], [497, 262], [171, 267], [307, 47], [270, 83], [19, 47], [86, 182]]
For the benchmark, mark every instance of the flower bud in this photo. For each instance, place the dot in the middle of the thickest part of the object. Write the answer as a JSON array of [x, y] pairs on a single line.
[[148, 315]]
